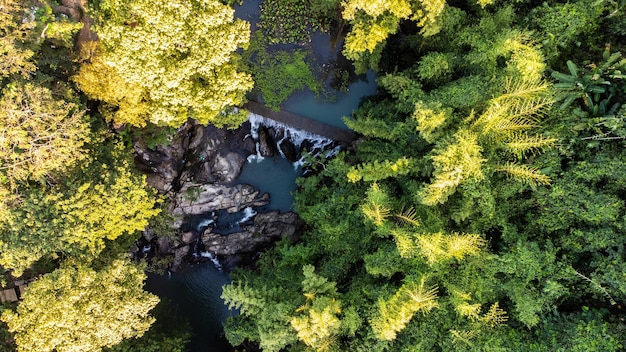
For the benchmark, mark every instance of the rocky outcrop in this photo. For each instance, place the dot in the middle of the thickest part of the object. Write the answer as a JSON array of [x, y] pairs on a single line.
[[200, 154], [204, 198], [266, 229], [197, 170], [160, 164], [267, 145], [218, 155], [288, 149]]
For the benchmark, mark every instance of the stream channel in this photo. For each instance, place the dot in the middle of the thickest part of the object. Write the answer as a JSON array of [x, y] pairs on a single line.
[[194, 292]]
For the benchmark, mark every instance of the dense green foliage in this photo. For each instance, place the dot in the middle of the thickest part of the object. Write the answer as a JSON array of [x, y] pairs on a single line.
[[278, 74], [483, 208], [170, 332], [80, 309]]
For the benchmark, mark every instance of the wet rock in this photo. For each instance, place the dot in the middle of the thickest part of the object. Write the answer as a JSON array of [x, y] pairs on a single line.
[[203, 154], [196, 199], [267, 145], [218, 155], [289, 150], [188, 237], [164, 245], [307, 145], [227, 166], [266, 229], [148, 234], [179, 255], [160, 163]]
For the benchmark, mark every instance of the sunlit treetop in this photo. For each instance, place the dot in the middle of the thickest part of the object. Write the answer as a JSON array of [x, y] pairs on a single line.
[[79, 309], [179, 54]]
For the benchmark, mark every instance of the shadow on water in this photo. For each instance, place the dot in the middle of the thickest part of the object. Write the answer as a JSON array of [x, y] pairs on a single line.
[[305, 103], [195, 293]]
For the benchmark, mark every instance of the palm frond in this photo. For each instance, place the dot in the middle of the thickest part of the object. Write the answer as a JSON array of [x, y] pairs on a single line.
[[408, 217], [532, 106], [518, 108], [525, 174], [521, 144], [495, 316], [460, 245], [515, 88], [375, 212], [424, 299]]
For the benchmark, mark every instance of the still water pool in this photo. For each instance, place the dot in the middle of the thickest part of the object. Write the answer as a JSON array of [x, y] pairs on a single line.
[[332, 112], [195, 294]]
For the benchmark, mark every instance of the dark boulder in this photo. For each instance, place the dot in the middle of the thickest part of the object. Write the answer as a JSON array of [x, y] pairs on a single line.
[[267, 145], [266, 229], [289, 150]]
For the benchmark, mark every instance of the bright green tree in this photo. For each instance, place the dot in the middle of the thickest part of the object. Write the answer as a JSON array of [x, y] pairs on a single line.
[[373, 21], [82, 309], [76, 218], [15, 36], [41, 133], [180, 55]]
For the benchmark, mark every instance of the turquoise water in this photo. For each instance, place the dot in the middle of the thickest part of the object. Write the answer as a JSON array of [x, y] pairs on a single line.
[[195, 292], [306, 104], [276, 176]]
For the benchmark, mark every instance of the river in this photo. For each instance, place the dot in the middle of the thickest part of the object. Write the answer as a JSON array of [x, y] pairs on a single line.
[[195, 291]]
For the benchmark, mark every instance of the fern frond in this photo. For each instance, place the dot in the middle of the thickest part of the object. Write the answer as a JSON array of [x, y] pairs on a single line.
[[432, 247], [424, 298], [458, 246], [376, 209], [525, 174], [395, 313], [523, 143], [458, 162], [463, 336], [375, 212], [495, 316], [515, 88], [598, 286], [405, 243], [534, 106], [408, 217], [519, 108], [468, 310]]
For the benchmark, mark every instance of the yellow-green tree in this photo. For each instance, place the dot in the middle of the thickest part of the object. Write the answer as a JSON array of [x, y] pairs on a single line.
[[177, 57], [82, 309], [16, 30], [373, 21], [74, 219], [39, 133], [493, 140], [317, 323]]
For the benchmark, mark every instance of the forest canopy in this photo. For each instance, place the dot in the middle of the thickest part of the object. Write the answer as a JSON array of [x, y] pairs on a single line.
[[482, 207], [481, 210], [168, 65]]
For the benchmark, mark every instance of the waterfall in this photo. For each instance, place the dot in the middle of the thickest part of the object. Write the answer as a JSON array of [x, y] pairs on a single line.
[[318, 144], [248, 213], [213, 259]]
